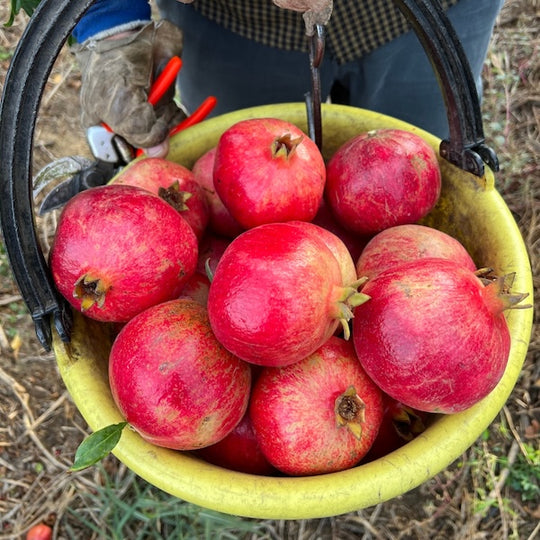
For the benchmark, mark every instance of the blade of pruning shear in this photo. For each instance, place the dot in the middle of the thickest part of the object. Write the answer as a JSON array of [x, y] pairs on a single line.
[[97, 174], [61, 168], [111, 152]]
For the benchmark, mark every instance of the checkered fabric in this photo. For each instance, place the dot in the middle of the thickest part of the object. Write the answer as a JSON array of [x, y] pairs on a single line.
[[356, 27]]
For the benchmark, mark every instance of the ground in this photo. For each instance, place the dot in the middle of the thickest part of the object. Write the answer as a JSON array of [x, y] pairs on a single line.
[[491, 492]]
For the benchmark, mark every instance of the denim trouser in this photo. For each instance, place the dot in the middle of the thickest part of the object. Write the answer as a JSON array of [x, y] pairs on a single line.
[[396, 79]]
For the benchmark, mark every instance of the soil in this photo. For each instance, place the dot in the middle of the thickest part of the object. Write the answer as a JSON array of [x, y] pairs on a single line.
[[40, 428]]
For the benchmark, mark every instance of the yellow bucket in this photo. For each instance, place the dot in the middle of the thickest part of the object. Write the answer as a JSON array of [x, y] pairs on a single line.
[[470, 209]]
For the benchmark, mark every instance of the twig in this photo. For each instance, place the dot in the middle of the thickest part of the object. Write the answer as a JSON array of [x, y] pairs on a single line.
[[516, 434], [46, 100], [49, 411], [495, 494], [533, 535], [6, 300], [28, 417]]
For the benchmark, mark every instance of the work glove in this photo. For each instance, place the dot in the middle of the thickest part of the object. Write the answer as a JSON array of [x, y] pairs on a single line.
[[313, 11], [117, 73]]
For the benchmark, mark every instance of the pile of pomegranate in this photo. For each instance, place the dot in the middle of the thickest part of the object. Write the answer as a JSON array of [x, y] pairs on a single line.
[[279, 314]]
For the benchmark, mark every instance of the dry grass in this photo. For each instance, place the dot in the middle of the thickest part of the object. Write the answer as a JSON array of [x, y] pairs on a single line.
[[484, 495]]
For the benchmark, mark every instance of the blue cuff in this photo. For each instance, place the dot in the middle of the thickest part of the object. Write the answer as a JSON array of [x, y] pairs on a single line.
[[105, 14]]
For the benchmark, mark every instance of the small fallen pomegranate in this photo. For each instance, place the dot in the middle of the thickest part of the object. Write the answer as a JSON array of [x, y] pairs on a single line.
[[173, 381], [118, 250], [41, 531], [220, 220], [174, 183], [318, 415], [404, 243], [239, 451], [278, 294], [400, 424], [433, 334], [382, 178], [267, 170]]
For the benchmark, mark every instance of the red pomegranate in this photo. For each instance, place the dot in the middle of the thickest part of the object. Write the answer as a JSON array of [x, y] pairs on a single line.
[[267, 170], [433, 335], [174, 183], [355, 243], [196, 288], [400, 424], [404, 243], [278, 294], [318, 415], [41, 531], [336, 246], [118, 250], [211, 248], [382, 178], [239, 451], [220, 220], [173, 381]]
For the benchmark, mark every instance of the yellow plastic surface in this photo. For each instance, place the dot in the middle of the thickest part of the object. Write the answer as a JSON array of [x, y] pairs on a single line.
[[470, 209]]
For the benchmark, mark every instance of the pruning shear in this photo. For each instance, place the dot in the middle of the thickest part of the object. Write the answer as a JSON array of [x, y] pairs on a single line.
[[111, 151]]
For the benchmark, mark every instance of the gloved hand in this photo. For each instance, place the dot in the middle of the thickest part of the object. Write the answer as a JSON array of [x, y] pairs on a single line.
[[314, 11], [117, 73]]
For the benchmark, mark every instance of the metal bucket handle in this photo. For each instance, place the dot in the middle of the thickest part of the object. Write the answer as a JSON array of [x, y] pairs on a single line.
[[47, 31]]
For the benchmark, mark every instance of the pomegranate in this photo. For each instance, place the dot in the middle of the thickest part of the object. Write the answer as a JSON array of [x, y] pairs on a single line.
[[220, 220], [400, 424], [196, 288], [239, 451], [318, 415], [433, 335], [355, 243], [267, 170], [382, 178], [336, 246], [404, 243], [173, 381], [118, 250], [211, 248], [41, 531], [278, 294], [174, 183]]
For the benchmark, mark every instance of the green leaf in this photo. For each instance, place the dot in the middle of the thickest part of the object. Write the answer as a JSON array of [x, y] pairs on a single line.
[[96, 446], [28, 6]]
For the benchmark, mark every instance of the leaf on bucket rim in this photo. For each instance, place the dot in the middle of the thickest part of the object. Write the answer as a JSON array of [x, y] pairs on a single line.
[[96, 446]]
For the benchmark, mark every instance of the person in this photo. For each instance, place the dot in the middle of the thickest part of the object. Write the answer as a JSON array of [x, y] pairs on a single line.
[[254, 52]]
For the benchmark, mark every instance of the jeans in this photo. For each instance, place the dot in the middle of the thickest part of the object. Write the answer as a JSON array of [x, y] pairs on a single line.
[[396, 79]]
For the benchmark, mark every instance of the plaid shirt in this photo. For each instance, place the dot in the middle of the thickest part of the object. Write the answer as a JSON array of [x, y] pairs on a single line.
[[356, 27]]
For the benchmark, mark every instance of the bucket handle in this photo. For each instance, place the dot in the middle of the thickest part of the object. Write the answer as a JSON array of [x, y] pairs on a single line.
[[36, 52], [47, 31], [465, 146]]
